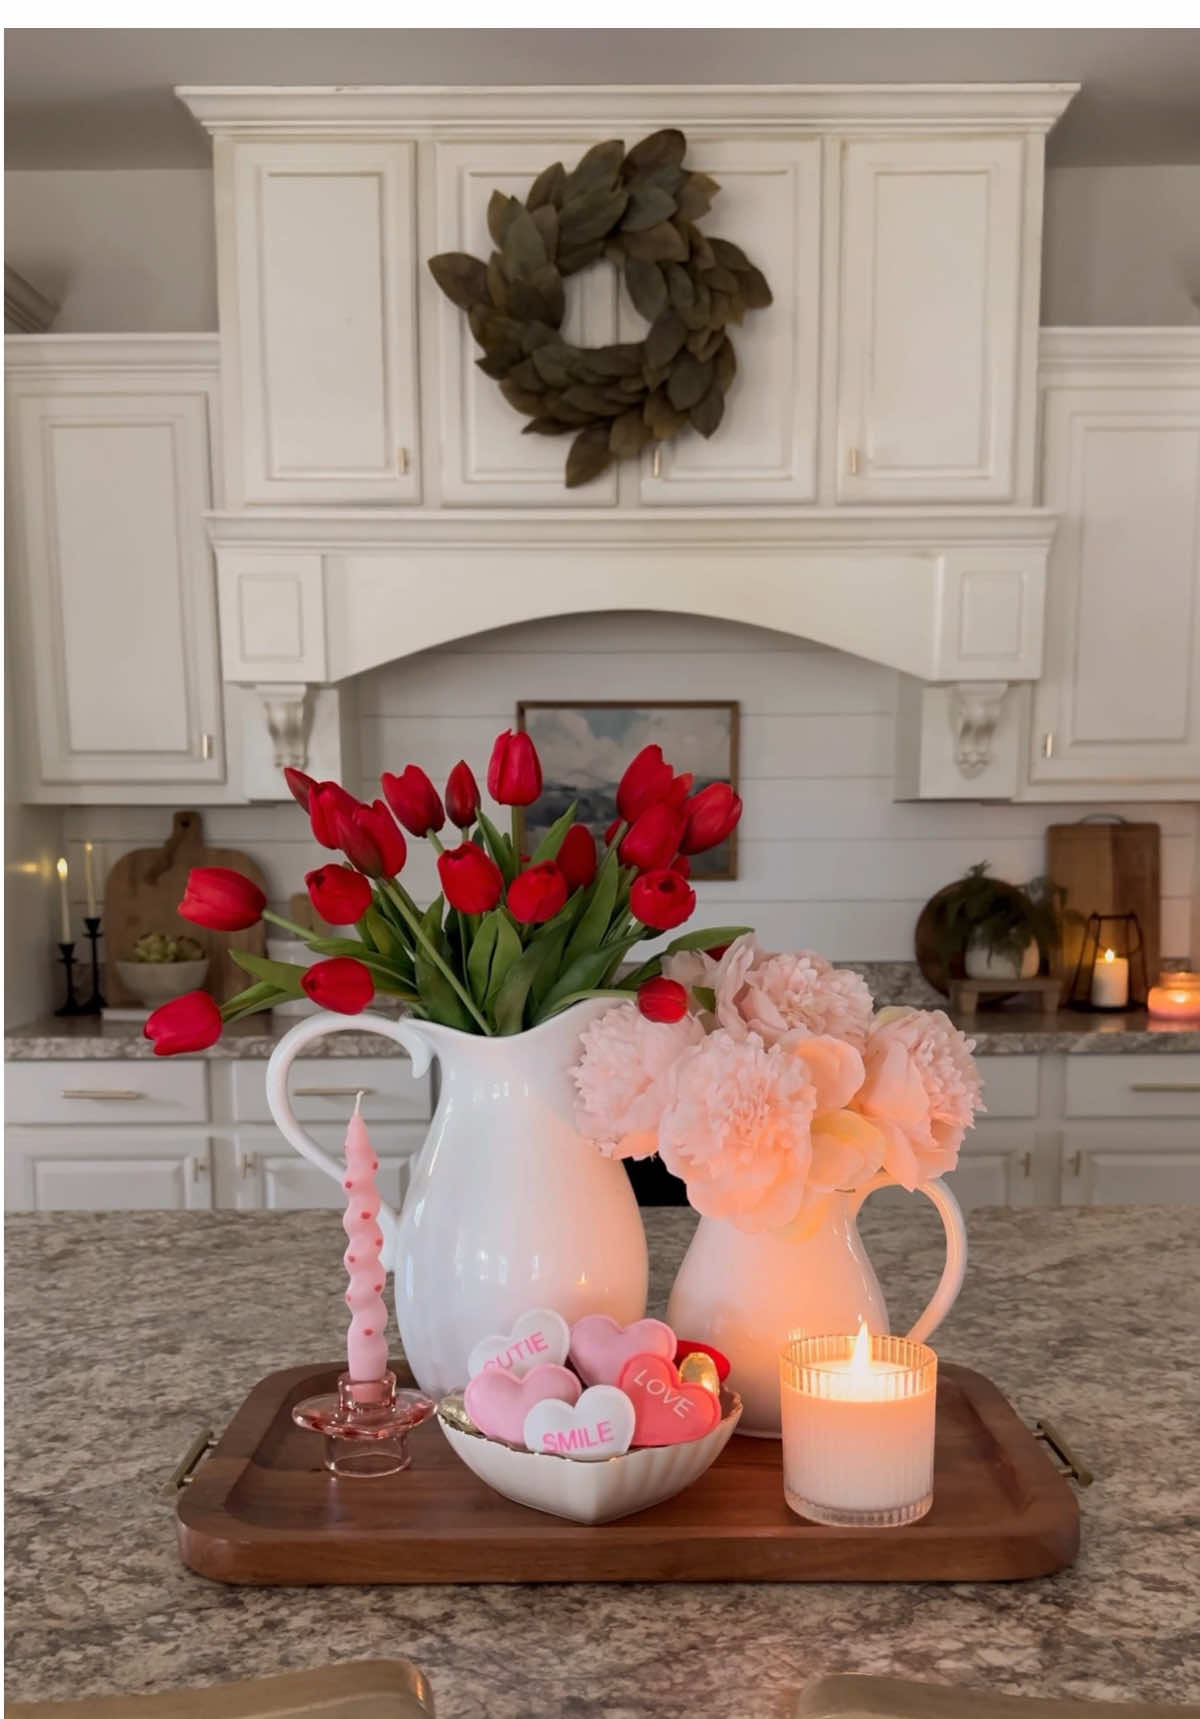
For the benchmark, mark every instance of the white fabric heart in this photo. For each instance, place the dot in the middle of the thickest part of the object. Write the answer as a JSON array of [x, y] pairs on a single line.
[[539, 1338], [599, 1425]]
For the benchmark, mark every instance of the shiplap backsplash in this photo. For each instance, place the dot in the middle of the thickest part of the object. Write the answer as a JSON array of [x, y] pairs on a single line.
[[826, 858]]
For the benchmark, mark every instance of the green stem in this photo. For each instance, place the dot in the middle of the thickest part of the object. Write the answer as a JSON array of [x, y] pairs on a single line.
[[515, 821], [437, 842], [582, 997], [404, 902], [303, 932]]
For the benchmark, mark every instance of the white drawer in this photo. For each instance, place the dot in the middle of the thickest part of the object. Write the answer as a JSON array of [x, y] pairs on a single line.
[[1010, 1085], [1145, 1086], [106, 1092], [323, 1089]]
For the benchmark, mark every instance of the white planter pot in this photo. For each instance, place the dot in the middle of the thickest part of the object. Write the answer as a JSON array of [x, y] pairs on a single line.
[[980, 963]]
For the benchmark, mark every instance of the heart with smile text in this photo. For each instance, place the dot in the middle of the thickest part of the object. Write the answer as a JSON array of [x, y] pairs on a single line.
[[666, 1411]]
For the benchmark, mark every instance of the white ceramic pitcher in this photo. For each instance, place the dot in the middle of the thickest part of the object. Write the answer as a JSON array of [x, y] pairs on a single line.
[[508, 1207], [747, 1294]]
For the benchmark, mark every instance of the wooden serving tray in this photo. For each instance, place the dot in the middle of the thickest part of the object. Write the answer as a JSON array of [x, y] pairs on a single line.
[[262, 1509]]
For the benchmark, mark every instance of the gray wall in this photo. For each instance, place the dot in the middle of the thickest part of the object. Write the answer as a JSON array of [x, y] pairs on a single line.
[[133, 251]]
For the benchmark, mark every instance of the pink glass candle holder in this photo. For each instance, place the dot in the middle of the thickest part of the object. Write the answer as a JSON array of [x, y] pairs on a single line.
[[858, 1422], [366, 1425]]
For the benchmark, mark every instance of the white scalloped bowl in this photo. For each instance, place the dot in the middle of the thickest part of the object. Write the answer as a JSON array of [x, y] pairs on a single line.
[[594, 1492]]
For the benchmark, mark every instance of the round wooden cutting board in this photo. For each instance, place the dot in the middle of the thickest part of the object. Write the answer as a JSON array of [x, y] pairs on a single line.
[[143, 893]]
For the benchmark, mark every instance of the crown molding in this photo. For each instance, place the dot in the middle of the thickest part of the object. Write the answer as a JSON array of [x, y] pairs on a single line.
[[533, 111], [26, 310], [68, 354], [1091, 354]]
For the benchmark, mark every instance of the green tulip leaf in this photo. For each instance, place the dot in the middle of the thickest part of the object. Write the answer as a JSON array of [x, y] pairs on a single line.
[[282, 974], [553, 839]]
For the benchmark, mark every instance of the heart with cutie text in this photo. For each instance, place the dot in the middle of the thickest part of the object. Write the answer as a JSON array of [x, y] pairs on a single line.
[[539, 1338]]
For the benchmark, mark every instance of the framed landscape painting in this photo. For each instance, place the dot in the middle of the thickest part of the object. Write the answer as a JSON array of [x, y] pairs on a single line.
[[584, 749]]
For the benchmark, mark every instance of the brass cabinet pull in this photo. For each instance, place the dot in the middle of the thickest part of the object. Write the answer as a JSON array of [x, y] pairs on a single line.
[[1075, 1164], [656, 461], [1027, 1164], [111, 1095], [402, 461], [852, 462], [246, 1164], [1164, 1086], [199, 1168], [334, 1091], [1048, 744], [206, 746]]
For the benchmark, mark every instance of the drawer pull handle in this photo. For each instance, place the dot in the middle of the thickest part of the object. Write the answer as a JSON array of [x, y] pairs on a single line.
[[334, 1091], [1027, 1165], [1164, 1086], [1076, 1164], [112, 1094]]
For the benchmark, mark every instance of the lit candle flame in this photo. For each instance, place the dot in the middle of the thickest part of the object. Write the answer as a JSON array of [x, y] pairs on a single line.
[[860, 1355], [1110, 954], [61, 868]]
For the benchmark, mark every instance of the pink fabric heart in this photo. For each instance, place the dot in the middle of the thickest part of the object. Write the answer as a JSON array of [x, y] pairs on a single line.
[[666, 1411], [600, 1347], [498, 1402]]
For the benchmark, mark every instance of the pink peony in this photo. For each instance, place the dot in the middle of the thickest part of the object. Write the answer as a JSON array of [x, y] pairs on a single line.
[[785, 992], [621, 1077], [724, 975], [921, 1091]]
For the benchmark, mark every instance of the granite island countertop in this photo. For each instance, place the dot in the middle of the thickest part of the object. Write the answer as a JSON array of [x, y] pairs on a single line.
[[157, 1324]]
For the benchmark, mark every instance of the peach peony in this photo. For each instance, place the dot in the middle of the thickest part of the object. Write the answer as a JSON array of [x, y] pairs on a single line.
[[621, 1074], [785, 992], [921, 1091]]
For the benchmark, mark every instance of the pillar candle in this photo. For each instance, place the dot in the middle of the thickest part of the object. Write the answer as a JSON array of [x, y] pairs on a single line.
[[89, 881], [1110, 981], [366, 1341], [64, 902]]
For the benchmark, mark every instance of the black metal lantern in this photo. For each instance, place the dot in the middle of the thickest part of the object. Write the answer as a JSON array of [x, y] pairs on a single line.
[[1111, 970]]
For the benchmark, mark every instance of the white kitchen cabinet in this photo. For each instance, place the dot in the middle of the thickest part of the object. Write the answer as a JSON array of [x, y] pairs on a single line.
[[1107, 1164], [1118, 703], [766, 446], [937, 297], [112, 592], [486, 461], [105, 1169], [269, 1176], [316, 259], [996, 1170]]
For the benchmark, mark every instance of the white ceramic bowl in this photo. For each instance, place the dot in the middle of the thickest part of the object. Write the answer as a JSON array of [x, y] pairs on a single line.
[[594, 1491], [155, 982]]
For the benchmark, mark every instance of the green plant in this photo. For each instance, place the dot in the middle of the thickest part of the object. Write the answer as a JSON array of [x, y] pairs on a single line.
[[1002, 918], [156, 947]]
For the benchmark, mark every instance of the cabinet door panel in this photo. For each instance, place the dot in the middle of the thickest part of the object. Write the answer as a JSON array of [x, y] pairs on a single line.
[[325, 324], [765, 447], [486, 460], [104, 1170], [931, 253], [1119, 699], [109, 495], [268, 1175], [1142, 1173]]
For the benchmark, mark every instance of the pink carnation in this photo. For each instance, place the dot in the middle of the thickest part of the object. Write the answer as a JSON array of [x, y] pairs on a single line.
[[621, 1075], [783, 993], [921, 1091]]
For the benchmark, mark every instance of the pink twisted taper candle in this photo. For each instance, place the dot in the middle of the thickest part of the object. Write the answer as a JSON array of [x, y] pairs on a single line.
[[366, 1343]]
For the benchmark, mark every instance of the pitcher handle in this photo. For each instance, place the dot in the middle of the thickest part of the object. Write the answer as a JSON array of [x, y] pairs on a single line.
[[955, 1268], [404, 1033]]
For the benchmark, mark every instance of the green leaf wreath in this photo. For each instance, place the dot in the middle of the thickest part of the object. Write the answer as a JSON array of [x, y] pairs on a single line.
[[640, 211]]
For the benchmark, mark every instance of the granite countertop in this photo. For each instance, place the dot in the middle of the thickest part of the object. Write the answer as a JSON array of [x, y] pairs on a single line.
[[148, 1326]]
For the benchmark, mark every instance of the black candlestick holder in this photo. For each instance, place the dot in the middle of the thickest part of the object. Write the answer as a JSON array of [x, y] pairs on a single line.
[[95, 1002], [72, 1006]]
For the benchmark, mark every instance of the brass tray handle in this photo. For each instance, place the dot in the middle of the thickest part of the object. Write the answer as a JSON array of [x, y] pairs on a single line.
[[1069, 1463], [185, 1469]]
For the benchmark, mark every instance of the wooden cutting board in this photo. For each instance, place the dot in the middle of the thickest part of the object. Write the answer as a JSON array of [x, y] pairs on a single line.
[[143, 893], [1110, 867]]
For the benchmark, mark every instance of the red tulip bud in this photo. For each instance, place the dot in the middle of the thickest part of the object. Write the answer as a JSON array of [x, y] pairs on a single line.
[[188, 1023], [370, 840], [462, 795], [221, 899], [711, 815], [324, 800], [576, 858], [414, 799], [662, 1000], [537, 894], [514, 775], [342, 984], [662, 900], [653, 838], [300, 786], [679, 790], [340, 896], [471, 879], [682, 864], [645, 781]]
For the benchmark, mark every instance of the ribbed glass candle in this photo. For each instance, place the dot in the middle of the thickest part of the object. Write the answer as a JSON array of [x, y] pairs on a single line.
[[858, 1433]]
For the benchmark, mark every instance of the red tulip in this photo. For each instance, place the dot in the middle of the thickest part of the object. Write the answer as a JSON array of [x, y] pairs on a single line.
[[711, 815], [300, 786], [682, 864], [414, 799], [462, 795], [662, 1000], [471, 879], [653, 838], [370, 840], [188, 1023], [645, 781], [342, 984], [514, 775], [679, 790], [576, 858], [537, 894], [662, 900], [221, 899], [340, 896], [324, 800]]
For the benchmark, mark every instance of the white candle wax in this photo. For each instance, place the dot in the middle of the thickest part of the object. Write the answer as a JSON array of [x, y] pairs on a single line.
[[1110, 981], [89, 881], [64, 902], [858, 1424]]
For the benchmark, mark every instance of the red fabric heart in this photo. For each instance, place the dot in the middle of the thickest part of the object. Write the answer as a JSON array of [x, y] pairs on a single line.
[[666, 1411], [687, 1347]]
